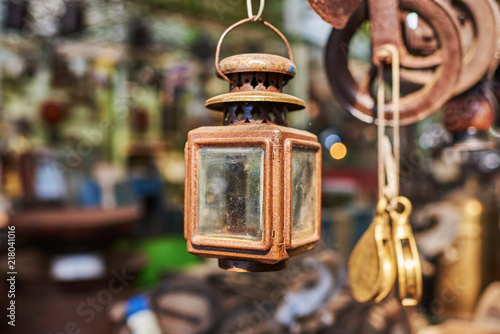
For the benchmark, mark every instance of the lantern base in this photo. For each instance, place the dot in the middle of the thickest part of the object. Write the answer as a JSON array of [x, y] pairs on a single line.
[[251, 266]]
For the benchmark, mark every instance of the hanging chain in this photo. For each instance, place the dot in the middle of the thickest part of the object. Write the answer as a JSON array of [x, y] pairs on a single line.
[[250, 10], [388, 159]]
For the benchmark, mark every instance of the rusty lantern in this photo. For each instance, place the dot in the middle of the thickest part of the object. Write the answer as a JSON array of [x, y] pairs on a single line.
[[252, 195]]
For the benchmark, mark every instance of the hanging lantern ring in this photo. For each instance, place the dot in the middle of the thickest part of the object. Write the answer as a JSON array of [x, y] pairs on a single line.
[[237, 24]]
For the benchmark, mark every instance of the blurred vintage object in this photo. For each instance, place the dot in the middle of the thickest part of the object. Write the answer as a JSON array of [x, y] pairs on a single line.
[[486, 317], [469, 264], [210, 301], [357, 96], [472, 109], [461, 327], [74, 228], [186, 305], [253, 187], [488, 308], [478, 22], [469, 117], [430, 40], [54, 305], [69, 261]]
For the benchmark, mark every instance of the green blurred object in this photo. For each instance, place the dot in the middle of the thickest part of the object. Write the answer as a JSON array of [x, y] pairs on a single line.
[[165, 254]]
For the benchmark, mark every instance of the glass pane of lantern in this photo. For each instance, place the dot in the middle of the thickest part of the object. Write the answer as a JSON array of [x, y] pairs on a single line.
[[303, 193], [230, 192]]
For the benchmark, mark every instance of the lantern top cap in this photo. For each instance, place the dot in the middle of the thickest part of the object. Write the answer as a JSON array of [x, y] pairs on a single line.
[[258, 62]]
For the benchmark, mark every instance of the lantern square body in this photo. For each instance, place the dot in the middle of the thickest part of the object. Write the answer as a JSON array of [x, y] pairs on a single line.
[[253, 194]]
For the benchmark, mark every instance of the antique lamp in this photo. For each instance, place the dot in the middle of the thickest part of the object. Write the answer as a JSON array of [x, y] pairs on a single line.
[[253, 187]]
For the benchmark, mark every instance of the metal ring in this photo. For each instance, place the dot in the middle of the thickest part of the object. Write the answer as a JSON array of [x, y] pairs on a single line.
[[237, 24]]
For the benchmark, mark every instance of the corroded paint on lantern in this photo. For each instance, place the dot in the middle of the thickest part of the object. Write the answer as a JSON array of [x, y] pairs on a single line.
[[253, 188], [253, 193]]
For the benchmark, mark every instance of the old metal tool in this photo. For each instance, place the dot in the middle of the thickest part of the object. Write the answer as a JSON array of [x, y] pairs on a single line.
[[408, 259], [357, 96], [372, 267], [373, 262]]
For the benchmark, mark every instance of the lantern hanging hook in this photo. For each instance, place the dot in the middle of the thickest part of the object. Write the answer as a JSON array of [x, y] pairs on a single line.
[[250, 10]]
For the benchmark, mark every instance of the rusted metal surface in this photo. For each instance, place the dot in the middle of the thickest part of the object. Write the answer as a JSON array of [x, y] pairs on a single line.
[[335, 12], [357, 98], [258, 62], [479, 25], [276, 245], [385, 28], [470, 110]]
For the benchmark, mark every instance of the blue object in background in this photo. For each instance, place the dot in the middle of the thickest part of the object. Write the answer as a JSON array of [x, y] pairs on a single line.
[[137, 304], [143, 187], [90, 194], [49, 184]]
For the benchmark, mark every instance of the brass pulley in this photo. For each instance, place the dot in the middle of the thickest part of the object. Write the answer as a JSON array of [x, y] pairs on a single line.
[[387, 250], [408, 259], [372, 269]]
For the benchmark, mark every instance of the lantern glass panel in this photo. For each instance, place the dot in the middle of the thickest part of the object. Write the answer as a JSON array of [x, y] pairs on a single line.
[[230, 192], [304, 193]]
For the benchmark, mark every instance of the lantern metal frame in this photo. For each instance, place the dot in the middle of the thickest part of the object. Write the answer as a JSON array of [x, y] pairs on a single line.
[[199, 240], [289, 145], [277, 142]]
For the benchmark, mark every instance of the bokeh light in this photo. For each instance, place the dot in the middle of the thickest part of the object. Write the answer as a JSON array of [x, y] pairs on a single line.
[[338, 151], [330, 140]]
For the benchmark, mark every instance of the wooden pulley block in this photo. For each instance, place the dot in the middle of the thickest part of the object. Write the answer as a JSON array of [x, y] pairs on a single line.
[[355, 90]]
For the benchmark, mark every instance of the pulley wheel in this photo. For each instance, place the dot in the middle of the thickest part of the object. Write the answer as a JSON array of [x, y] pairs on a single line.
[[357, 95], [479, 26]]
